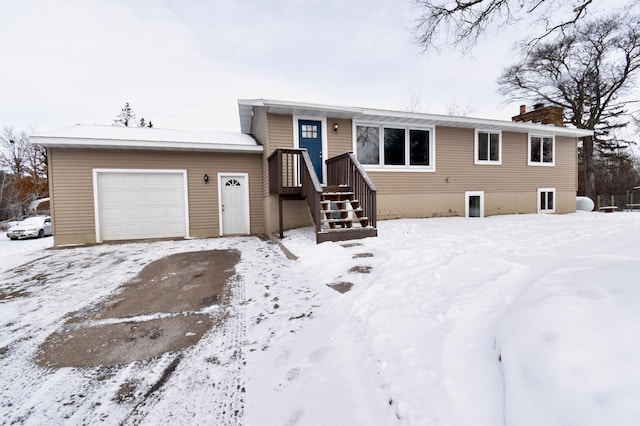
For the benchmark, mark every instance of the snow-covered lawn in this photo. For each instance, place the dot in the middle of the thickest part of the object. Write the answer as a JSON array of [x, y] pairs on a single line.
[[17, 252], [518, 320]]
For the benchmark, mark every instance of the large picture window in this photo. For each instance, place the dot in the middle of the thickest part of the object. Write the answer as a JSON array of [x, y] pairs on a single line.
[[394, 147], [541, 150], [488, 147]]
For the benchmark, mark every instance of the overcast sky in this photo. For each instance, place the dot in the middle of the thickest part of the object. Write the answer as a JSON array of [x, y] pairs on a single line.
[[184, 64]]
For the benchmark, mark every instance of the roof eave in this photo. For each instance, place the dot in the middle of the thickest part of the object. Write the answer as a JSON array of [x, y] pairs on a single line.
[[364, 114], [59, 142]]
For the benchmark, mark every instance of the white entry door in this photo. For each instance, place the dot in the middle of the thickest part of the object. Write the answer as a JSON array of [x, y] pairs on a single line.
[[234, 204]]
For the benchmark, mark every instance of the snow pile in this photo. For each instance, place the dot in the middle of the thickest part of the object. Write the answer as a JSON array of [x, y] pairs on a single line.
[[570, 343], [420, 338]]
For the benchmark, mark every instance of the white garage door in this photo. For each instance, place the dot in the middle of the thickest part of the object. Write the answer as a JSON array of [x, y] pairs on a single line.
[[135, 205]]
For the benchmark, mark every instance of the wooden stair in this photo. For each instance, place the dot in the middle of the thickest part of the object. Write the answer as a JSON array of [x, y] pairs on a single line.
[[342, 216]]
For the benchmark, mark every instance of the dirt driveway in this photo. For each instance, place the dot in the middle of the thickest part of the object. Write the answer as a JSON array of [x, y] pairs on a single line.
[[156, 312], [147, 333], [131, 333]]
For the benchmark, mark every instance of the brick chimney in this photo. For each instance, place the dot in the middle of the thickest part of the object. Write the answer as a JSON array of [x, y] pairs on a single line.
[[541, 114]]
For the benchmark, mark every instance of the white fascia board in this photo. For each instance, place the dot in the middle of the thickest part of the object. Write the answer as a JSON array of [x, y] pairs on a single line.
[[370, 114], [62, 142], [471, 122]]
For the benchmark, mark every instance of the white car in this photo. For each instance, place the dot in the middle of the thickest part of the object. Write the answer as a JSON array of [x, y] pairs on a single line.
[[32, 227]]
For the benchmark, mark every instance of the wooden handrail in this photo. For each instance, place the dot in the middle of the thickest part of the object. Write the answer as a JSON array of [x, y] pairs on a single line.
[[291, 173], [345, 169], [311, 189], [284, 172]]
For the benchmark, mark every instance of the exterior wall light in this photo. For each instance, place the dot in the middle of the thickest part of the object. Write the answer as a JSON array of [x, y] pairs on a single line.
[[335, 127], [206, 178]]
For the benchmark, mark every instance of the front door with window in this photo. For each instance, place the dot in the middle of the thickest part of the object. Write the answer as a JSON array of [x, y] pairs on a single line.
[[310, 138], [234, 204]]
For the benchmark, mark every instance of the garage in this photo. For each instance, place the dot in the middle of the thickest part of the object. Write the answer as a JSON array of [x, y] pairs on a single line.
[[112, 183], [140, 204]]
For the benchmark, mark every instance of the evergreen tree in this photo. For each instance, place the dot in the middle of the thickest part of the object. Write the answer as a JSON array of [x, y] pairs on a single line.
[[125, 117]]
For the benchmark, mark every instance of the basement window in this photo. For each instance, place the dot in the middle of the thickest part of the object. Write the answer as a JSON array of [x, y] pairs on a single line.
[[546, 200]]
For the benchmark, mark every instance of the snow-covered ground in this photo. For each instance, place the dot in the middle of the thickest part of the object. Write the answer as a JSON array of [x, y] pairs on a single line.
[[17, 252], [518, 320]]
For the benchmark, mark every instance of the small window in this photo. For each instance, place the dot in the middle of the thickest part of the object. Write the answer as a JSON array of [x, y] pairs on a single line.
[[546, 200], [309, 131], [541, 150], [488, 147]]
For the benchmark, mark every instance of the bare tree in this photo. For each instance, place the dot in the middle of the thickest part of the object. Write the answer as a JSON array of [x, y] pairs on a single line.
[[453, 108], [414, 104], [462, 22], [588, 71], [24, 175], [13, 151]]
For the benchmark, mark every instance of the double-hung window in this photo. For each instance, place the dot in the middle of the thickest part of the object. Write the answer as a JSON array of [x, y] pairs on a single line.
[[546, 200], [488, 147], [394, 147], [541, 150]]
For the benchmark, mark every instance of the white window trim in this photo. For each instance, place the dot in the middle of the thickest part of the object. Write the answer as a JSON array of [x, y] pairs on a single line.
[[555, 200], [394, 168], [96, 201], [468, 194], [323, 131], [221, 176], [541, 163], [476, 160]]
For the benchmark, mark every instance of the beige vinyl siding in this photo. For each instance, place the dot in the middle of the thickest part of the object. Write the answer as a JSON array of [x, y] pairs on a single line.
[[280, 128], [259, 125], [260, 131], [72, 186], [50, 183], [509, 188], [340, 142], [71, 191], [295, 213]]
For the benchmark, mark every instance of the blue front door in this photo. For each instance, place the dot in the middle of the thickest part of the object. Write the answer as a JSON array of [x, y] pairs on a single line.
[[310, 137]]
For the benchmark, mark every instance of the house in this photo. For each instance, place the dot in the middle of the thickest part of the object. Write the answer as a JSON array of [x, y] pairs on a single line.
[[295, 164]]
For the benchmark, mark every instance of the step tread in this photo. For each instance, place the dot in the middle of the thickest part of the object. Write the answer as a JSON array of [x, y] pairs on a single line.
[[346, 219], [339, 220], [339, 201], [359, 209], [337, 193]]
